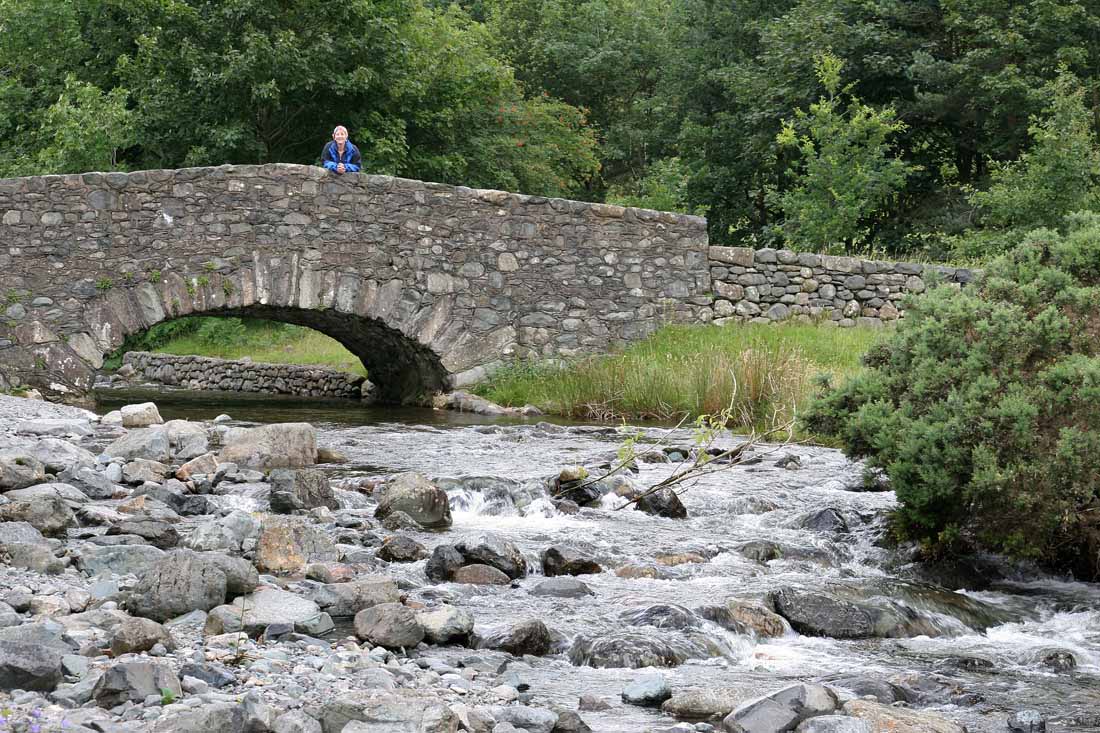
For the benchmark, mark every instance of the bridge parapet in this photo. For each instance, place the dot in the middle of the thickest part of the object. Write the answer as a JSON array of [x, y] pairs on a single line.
[[430, 285]]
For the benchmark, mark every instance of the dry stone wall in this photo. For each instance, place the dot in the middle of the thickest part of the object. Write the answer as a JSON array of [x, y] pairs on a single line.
[[769, 285], [207, 374]]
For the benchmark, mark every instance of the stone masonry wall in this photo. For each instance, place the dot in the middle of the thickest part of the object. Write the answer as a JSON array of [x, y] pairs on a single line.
[[431, 285], [769, 285], [207, 374]]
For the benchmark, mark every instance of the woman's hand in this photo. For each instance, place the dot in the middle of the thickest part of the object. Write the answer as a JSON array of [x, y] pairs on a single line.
[[340, 168]]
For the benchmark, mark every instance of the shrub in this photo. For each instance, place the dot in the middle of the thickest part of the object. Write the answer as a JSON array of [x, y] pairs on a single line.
[[983, 408]]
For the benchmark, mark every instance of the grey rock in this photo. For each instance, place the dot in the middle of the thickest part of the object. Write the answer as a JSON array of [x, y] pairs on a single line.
[[118, 560], [532, 720], [1027, 721], [30, 656], [287, 544], [489, 548], [139, 635], [49, 515], [278, 445], [224, 717], [446, 624], [443, 563], [296, 721], [348, 599], [214, 675], [302, 489], [400, 548], [416, 496], [782, 710], [19, 469], [526, 637], [648, 690], [60, 455], [158, 534], [145, 443], [179, 582], [564, 560], [391, 625], [134, 681], [561, 587]]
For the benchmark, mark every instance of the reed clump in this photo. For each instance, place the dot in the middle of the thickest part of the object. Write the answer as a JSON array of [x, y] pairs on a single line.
[[765, 372]]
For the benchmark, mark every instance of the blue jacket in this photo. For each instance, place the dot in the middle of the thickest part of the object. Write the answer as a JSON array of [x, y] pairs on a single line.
[[330, 158]]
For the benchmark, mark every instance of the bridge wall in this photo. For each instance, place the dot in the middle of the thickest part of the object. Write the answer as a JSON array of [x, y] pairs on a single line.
[[429, 284]]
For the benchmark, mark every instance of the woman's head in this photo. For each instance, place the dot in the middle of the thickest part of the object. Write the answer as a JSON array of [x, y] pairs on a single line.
[[340, 134]]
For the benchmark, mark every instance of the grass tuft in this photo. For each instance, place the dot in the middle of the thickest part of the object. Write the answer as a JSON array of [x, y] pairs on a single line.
[[765, 371]]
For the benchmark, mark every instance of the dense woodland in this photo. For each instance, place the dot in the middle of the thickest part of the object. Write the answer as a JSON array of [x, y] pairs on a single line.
[[906, 127]]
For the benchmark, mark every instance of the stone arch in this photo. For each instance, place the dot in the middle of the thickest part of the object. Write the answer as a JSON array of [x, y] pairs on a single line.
[[431, 285], [410, 345]]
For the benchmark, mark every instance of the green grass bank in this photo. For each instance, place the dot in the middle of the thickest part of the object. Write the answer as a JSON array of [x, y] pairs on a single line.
[[766, 372]]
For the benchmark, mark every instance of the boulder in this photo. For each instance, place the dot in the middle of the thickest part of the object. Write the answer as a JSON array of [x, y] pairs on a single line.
[[525, 637], [133, 682], [302, 489], [187, 440], [400, 548], [818, 614], [173, 495], [180, 582], [647, 690], [416, 496], [30, 657], [228, 533], [118, 559], [390, 625], [489, 548], [564, 560], [629, 649], [828, 520], [1027, 721], [18, 469], [570, 722], [663, 503], [745, 617], [225, 717], [443, 563], [524, 718], [214, 675], [140, 416], [348, 599], [138, 635], [386, 713], [782, 710], [446, 624], [93, 484], [142, 470], [279, 445], [267, 606], [478, 574], [147, 443], [889, 718], [287, 544], [561, 588], [205, 464], [709, 703], [71, 495], [296, 721], [60, 455], [49, 515], [158, 534]]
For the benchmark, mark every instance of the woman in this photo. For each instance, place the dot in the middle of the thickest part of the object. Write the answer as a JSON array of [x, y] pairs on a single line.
[[339, 155]]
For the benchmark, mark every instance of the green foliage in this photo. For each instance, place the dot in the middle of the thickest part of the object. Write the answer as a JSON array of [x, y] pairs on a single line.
[[104, 283], [982, 407], [845, 172], [167, 696], [1057, 175], [664, 188], [154, 276]]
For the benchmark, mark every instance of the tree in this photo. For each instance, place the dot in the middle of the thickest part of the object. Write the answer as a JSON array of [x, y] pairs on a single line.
[[84, 130], [982, 408], [1057, 175], [845, 172]]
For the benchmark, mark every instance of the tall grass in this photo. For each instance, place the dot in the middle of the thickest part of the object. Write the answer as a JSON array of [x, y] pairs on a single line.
[[765, 372]]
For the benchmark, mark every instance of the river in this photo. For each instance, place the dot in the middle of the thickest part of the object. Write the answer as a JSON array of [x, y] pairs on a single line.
[[1042, 652]]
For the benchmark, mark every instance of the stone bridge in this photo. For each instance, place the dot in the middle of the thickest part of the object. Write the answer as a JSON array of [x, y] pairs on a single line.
[[429, 285]]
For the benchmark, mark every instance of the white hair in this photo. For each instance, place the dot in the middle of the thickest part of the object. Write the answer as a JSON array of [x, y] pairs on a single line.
[[338, 128]]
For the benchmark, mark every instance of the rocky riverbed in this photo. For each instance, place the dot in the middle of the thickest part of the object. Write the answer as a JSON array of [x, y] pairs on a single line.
[[187, 575]]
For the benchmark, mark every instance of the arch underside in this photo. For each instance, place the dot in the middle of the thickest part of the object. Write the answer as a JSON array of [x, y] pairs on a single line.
[[402, 370]]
